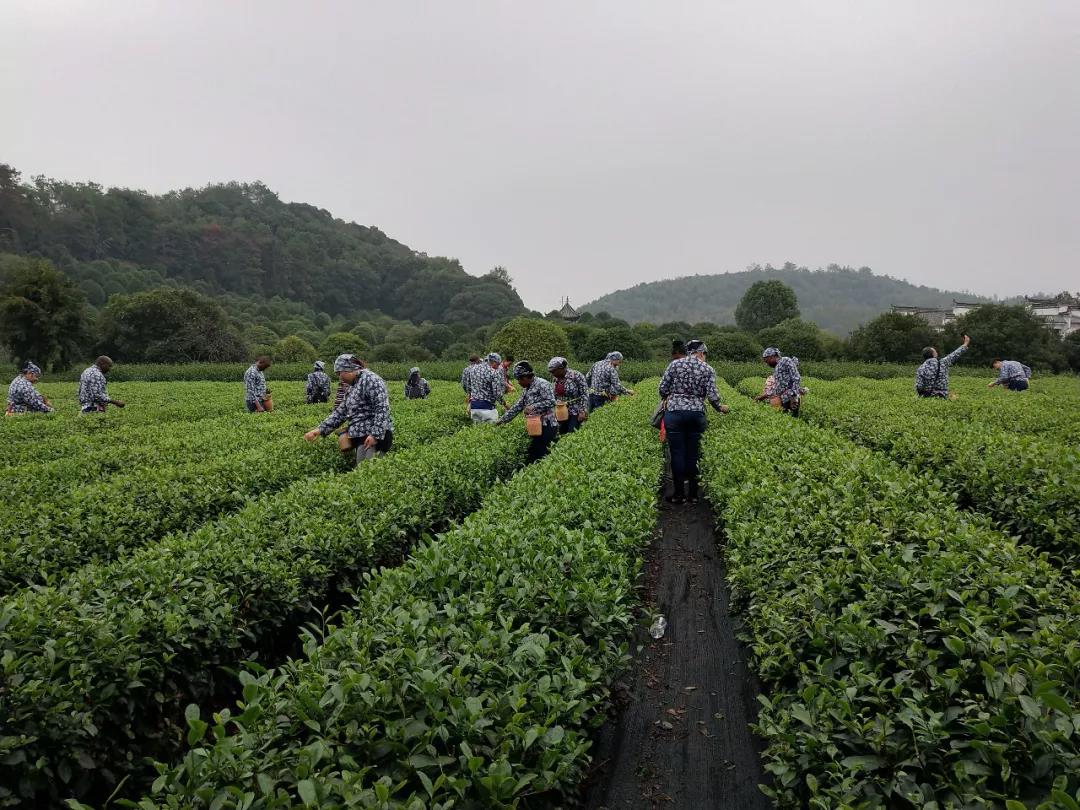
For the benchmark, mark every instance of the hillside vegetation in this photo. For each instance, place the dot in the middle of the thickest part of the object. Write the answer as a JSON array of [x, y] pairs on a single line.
[[837, 299], [239, 242]]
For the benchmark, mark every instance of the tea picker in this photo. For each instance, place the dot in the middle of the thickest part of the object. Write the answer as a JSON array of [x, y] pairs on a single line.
[[538, 403], [22, 396], [604, 383], [484, 389], [571, 395], [256, 395], [416, 387], [366, 408], [1012, 374], [932, 377], [93, 391], [317, 387], [787, 382]]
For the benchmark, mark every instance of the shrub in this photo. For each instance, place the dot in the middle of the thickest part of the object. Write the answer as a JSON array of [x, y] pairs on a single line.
[[795, 337], [531, 339], [341, 343], [293, 349]]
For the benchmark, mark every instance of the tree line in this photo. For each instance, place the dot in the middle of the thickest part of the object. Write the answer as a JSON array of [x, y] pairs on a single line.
[[45, 316], [237, 242]]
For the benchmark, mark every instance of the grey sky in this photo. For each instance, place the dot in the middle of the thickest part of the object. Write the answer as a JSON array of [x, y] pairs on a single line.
[[589, 146]]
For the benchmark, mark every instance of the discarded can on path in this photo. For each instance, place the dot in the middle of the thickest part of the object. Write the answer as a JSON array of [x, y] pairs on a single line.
[[659, 625]]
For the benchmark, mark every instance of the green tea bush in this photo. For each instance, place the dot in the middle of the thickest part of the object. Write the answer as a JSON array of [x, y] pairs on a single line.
[[469, 676], [97, 669], [912, 656], [257, 454], [1028, 484]]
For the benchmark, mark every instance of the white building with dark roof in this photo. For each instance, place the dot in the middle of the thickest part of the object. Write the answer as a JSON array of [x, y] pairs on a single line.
[[1061, 313]]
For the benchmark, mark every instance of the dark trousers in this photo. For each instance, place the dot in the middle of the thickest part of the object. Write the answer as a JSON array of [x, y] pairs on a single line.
[[318, 398], [1017, 385], [540, 445], [932, 395], [570, 425], [596, 401], [382, 446], [684, 429]]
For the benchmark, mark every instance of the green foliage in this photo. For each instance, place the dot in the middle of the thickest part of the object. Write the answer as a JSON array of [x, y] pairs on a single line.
[[239, 238], [404, 334], [766, 304], [229, 591], [293, 349], [1071, 344], [679, 329], [42, 315], [579, 336], [260, 335], [1030, 485], [893, 337], [389, 353], [168, 326], [795, 337], [435, 338], [450, 369], [532, 339], [342, 343], [368, 332], [458, 353], [836, 298], [737, 346], [615, 338], [1009, 332], [906, 649], [471, 675]]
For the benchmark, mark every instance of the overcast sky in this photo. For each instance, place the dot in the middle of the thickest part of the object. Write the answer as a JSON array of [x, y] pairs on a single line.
[[588, 146]]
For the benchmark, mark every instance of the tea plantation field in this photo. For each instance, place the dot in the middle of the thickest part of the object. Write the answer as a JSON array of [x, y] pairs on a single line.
[[200, 610]]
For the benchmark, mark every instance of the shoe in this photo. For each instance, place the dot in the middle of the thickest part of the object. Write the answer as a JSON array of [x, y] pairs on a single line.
[[693, 500], [675, 499]]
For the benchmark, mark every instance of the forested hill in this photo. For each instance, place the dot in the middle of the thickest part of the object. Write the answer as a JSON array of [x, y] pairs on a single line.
[[237, 238], [837, 298]]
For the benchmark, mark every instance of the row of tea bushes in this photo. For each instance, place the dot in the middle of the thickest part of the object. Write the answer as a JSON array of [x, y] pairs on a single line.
[[912, 655], [468, 677], [1029, 485], [96, 671], [103, 521]]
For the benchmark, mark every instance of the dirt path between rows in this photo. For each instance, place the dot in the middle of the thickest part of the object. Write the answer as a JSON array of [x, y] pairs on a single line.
[[681, 738]]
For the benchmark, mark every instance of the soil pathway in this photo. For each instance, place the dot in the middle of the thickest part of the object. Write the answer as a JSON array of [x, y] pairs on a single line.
[[681, 738]]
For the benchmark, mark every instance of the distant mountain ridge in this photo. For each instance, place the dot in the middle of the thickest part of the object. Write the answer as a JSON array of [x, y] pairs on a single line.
[[837, 299]]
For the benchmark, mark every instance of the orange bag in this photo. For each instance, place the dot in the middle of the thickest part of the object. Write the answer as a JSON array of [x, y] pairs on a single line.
[[562, 411], [268, 403], [533, 425], [344, 443]]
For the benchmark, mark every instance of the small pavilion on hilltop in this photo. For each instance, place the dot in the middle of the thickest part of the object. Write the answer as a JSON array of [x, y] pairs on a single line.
[[568, 313]]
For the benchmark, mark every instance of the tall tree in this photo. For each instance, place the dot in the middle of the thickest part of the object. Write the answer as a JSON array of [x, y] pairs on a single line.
[[796, 337], [612, 339], [1071, 345], [766, 304], [531, 339], [1009, 332], [169, 326], [43, 315], [893, 337]]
